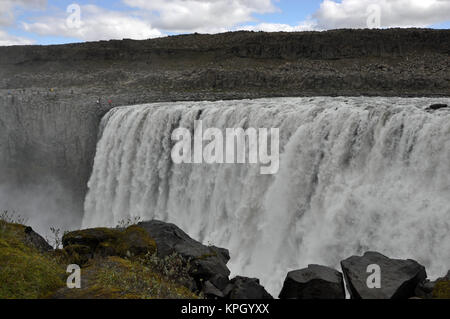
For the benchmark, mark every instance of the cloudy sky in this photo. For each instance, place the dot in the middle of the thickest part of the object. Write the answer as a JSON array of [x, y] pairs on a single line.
[[61, 21]]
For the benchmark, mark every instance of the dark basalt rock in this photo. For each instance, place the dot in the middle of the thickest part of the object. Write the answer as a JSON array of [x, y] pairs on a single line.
[[314, 282], [210, 291], [435, 107], [399, 278], [209, 262], [425, 290], [37, 241], [245, 288]]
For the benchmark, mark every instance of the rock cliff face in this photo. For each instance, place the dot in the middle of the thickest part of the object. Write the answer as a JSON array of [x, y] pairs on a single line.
[[49, 113], [342, 62], [46, 148]]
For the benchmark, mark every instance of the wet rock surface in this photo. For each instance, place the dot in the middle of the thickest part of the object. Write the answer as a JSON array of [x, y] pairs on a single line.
[[245, 288], [209, 262], [314, 282], [399, 278]]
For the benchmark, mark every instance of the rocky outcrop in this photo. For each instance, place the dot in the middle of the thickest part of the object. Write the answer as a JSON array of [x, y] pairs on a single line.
[[314, 282], [399, 278], [206, 265], [103, 242], [37, 241], [208, 262]]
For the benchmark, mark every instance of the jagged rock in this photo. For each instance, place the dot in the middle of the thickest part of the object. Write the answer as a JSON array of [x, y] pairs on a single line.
[[425, 290], [207, 261], [36, 240], [212, 292], [435, 107], [399, 278], [132, 241], [219, 281], [314, 282], [245, 288]]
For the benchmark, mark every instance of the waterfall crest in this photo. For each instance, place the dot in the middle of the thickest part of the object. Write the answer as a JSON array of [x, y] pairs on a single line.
[[356, 174]]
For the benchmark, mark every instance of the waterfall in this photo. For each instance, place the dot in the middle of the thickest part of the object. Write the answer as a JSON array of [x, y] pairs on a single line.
[[356, 174]]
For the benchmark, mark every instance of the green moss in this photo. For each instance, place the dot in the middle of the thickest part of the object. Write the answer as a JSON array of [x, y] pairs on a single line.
[[442, 290], [77, 254], [135, 280], [27, 273], [24, 272], [135, 241], [132, 241], [91, 237]]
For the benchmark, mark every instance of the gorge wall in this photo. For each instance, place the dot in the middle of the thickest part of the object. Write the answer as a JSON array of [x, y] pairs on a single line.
[[49, 113]]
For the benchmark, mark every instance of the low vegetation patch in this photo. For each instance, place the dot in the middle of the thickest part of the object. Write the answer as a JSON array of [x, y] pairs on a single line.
[[442, 290], [116, 264], [136, 280], [24, 271]]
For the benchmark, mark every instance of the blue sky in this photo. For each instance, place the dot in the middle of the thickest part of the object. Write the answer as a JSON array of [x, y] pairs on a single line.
[[46, 21]]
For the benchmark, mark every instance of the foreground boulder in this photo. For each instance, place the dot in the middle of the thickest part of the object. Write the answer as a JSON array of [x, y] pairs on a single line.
[[399, 278], [314, 282], [245, 288], [209, 263]]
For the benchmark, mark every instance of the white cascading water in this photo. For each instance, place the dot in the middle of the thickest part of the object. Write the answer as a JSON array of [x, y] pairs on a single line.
[[356, 174]]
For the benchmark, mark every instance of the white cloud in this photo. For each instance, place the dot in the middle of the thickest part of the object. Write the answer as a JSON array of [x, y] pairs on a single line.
[[277, 27], [393, 13], [7, 39], [152, 19], [201, 15], [156, 17], [96, 24], [8, 8]]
